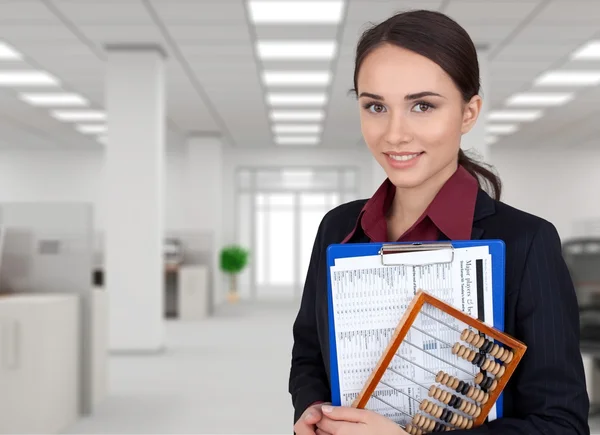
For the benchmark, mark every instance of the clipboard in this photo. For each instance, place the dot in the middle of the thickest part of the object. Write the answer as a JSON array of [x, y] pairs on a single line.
[[497, 251]]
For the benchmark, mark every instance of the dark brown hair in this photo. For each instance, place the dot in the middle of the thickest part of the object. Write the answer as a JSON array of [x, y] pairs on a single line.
[[442, 40]]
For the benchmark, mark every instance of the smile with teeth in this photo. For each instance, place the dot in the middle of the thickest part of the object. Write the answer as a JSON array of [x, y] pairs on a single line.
[[405, 157]]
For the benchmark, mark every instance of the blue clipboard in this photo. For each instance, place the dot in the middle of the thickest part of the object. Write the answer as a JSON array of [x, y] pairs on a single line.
[[497, 250]]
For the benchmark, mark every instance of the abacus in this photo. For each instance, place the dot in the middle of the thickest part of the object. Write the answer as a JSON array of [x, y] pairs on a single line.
[[473, 361]]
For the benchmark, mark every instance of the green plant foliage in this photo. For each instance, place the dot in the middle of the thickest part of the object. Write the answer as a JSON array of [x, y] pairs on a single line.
[[233, 259]]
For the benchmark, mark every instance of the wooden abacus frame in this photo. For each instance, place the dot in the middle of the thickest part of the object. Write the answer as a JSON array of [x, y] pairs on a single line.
[[404, 325]]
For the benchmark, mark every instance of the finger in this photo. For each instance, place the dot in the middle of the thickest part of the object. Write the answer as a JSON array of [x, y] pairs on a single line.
[[345, 413], [329, 426], [312, 415], [301, 428], [321, 432]]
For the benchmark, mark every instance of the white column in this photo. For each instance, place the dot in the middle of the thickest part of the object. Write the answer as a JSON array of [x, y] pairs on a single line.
[[475, 140], [205, 200], [135, 155]]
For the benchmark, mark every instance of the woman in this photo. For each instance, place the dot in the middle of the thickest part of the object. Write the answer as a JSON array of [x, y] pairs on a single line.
[[417, 82]]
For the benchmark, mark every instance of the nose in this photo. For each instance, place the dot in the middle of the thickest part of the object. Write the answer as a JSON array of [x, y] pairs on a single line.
[[397, 131]]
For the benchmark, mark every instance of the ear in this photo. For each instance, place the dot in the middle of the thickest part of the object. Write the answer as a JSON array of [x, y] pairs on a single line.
[[471, 113]]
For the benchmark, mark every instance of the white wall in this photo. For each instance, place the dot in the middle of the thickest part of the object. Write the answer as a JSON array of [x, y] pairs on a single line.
[[63, 175], [558, 185]]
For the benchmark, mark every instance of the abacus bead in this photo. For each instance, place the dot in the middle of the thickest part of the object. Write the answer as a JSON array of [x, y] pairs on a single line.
[[437, 427], [501, 371], [478, 378], [485, 398], [455, 348], [488, 346], [430, 424], [459, 401], [439, 376], [466, 388], [485, 364], [445, 415], [510, 357], [454, 383], [477, 412], [480, 341], [486, 383], [464, 335], [494, 350], [432, 390], [453, 419]]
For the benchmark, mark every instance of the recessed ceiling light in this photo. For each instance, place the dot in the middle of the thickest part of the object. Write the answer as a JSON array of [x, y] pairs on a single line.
[[297, 115], [299, 99], [296, 50], [91, 128], [296, 78], [296, 128], [501, 128], [540, 99], [27, 78], [54, 99], [515, 115], [569, 78], [9, 53], [296, 12], [297, 140], [79, 115], [591, 50]]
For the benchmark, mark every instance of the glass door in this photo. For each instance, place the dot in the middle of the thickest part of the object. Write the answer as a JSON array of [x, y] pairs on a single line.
[[278, 216]]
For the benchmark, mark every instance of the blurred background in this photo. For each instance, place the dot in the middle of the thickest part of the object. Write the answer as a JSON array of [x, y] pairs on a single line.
[[164, 165]]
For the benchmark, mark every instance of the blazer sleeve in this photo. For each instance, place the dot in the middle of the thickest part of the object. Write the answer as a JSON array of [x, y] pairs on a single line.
[[550, 391], [308, 378]]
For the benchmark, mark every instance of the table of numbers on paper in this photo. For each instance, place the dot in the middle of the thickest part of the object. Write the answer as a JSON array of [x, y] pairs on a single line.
[[369, 299]]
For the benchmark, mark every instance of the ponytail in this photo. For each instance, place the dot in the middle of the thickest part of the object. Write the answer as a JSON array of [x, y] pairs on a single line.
[[484, 175]]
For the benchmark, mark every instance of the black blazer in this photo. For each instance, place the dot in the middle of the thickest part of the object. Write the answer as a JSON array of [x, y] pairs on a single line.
[[547, 393]]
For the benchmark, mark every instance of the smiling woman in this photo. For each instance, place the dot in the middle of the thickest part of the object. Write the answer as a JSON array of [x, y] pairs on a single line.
[[417, 83]]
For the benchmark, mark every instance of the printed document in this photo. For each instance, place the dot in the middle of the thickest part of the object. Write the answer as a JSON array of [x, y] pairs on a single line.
[[369, 299]]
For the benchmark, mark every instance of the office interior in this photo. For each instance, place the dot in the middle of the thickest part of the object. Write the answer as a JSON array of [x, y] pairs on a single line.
[[141, 141]]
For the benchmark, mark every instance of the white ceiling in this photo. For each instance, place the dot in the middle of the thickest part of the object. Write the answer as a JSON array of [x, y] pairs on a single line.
[[214, 81]]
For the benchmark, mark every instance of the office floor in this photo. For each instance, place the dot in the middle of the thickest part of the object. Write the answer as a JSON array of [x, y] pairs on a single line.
[[219, 376]]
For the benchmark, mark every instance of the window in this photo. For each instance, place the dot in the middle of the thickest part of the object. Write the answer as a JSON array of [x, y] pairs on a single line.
[[279, 214]]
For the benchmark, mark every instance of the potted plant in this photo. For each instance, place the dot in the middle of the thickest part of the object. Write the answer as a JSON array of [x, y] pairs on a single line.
[[234, 259]]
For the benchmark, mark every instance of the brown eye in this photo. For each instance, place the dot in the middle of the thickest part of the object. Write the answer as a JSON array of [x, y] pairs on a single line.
[[377, 108], [423, 107]]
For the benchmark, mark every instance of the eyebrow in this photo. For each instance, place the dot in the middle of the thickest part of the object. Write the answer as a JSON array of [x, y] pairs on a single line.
[[408, 97]]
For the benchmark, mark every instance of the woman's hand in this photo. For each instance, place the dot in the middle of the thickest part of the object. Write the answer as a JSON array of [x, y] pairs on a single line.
[[342, 420], [306, 424]]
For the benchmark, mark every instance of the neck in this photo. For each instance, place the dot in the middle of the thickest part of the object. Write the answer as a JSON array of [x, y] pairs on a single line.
[[410, 203]]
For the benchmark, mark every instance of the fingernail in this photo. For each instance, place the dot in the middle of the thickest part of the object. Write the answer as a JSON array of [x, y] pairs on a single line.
[[327, 408], [308, 416]]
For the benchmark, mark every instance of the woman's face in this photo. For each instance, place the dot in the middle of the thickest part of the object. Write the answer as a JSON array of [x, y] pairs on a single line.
[[412, 115]]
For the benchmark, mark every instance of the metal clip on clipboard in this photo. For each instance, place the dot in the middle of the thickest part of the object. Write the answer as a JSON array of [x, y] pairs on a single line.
[[403, 248]]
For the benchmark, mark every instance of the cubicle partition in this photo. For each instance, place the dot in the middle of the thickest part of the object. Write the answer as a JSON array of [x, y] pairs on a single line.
[[47, 248]]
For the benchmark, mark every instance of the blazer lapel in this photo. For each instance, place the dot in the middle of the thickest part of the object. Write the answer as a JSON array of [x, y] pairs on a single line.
[[484, 206]]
